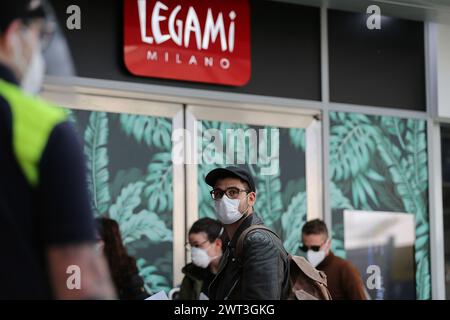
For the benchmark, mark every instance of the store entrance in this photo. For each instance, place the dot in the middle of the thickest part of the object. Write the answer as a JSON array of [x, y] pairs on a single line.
[[132, 146]]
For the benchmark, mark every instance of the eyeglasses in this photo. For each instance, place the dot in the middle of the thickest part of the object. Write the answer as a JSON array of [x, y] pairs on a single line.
[[306, 248], [188, 246], [232, 193]]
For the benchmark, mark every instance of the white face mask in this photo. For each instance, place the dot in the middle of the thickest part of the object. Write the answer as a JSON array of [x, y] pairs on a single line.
[[33, 72], [201, 258], [227, 210], [315, 257], [34, 75]]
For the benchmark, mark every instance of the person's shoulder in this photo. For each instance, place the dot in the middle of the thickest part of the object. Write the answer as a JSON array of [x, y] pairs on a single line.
[[341, 262], [345, 266], [38, 108], [261, 237]]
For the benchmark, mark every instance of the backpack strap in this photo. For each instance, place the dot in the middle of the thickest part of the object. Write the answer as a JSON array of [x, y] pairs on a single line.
[[243, 236], [309, 270]]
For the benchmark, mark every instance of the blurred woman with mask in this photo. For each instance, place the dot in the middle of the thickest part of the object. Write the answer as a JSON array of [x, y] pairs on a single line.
[[206, 238]]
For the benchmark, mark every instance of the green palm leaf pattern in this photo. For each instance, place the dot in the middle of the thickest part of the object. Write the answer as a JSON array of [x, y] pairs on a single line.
[[402, 176], [395, 127], [423, 279], [206, 203], [363, 190], [337, 245], [159, 178], [128, 200], [144, 219], [341, 202], [269, 204], [292, 222], [96, 152], [154, 281], [400, 148], [154, 131], [338, 200], [351, 145], [135, 225], [298, 138], [417, 152]]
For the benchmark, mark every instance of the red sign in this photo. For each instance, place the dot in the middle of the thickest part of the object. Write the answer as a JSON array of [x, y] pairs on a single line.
[[193, 40]]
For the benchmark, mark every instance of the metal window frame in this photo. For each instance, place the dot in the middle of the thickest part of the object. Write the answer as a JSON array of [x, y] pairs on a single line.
[[436, 205]]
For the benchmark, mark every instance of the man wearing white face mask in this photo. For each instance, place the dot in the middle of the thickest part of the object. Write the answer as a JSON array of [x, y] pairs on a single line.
[[206, 238], [344, 280], [46, 222], [261, 270]]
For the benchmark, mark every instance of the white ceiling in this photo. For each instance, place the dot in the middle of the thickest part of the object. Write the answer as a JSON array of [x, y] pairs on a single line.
[[425, 10]]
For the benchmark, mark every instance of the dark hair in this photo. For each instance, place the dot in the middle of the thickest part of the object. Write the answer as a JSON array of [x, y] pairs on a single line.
[[212, 228], [20, 9], [315, 226], [120, 263]]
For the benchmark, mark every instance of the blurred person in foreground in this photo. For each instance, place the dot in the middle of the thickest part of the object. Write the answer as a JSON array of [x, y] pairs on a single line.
[[344, 280], [124, 272], [206, 238], [47, 230]]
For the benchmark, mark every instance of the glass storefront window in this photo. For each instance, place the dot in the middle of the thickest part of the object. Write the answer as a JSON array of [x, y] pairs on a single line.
[[380, 163], [130, 180]]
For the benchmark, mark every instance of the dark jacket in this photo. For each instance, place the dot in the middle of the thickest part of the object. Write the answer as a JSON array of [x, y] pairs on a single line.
[[195, 281], [132, 287], [263, 273], [344, 280]]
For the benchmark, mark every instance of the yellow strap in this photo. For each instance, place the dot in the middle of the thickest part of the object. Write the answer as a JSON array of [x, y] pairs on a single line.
[[33, 120]]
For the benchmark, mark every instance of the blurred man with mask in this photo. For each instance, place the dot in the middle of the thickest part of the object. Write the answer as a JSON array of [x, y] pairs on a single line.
[[261, 270], [47, 232], [344, 280]]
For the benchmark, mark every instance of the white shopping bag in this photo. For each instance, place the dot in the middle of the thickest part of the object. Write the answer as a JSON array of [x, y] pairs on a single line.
[[203, 296], [159, 296]]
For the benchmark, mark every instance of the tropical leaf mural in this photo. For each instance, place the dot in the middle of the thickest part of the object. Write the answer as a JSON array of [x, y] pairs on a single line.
[[376, 164], [154, 282], [379, 163], [351, 146], [159, 183], [153, 131], [135, 225], [96, 152], [140, 202], [298, 138], [292, 222]]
